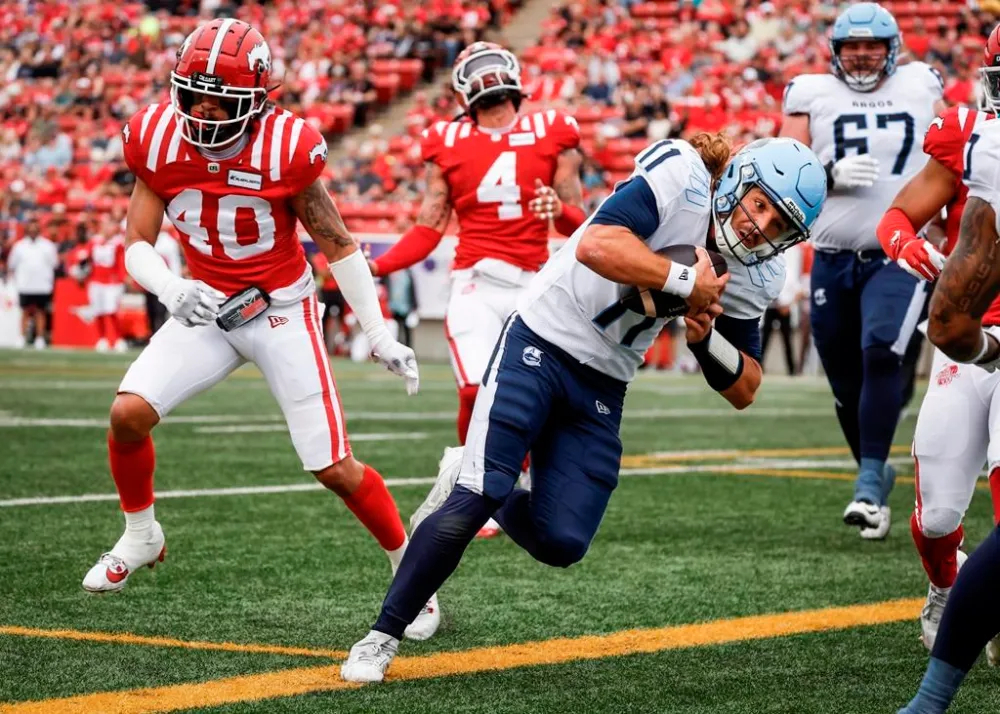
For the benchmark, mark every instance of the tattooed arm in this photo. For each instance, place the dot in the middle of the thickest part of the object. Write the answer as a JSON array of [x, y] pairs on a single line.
[[420, 240], [319, 216], [968, 284]]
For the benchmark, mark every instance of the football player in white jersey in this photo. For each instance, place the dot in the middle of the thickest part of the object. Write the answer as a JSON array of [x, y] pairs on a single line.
[[969, 283], [556, 382], [866, 120]]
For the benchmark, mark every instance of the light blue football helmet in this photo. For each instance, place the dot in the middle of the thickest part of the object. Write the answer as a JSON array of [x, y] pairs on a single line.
[[794, 180], [865, 21]]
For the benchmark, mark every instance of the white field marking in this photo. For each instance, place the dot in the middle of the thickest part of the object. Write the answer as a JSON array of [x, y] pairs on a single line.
[[770, 464], [266, 428], [10, 422], [297, 487]]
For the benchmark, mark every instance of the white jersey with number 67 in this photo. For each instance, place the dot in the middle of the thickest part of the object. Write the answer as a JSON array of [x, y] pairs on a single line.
[[888, 123]]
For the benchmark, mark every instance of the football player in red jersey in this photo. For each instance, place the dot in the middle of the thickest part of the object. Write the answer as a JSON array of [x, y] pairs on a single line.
[[955, 433], [234, 174], [107, 286], [487, 167]]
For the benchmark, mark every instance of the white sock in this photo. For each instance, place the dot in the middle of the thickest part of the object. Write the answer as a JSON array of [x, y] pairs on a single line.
[[140, 522], [396, 556]]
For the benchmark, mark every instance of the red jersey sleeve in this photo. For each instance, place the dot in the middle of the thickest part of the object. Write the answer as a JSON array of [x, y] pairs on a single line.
[[309, 152], [432, 143], [132, 146], [945, 139], [565, 132]]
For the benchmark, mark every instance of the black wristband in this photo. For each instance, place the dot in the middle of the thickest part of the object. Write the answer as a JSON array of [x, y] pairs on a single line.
[[829, 175], [718, 376]]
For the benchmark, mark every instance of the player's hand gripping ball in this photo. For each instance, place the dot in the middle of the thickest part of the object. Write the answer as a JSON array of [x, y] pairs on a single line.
[[656, 303]]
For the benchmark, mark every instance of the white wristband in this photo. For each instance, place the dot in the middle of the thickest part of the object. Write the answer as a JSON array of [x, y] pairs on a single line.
[[147, 267], [680, 280], [985, 348]]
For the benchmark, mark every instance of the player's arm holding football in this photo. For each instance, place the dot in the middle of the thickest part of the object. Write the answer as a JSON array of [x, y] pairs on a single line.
[[728, 352], [190, 302], [318, 214], [613, 247], [421, 239]]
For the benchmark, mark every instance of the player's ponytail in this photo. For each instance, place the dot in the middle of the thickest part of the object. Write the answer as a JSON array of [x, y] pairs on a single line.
[[715, 150]]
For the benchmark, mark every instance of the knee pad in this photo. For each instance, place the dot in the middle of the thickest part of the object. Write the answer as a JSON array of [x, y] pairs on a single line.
[[881, 360], [939, 522], [562, 551]]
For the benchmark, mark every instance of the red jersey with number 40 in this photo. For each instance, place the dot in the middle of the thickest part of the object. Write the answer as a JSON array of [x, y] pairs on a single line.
[[234, 215], [949, 140], [491, 177]]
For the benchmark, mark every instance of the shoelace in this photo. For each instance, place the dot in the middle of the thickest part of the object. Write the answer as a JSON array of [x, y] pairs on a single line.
[[372, 652], [938, 600], [113, 562]]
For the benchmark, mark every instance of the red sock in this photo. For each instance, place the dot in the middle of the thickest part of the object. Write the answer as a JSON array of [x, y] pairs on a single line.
[[101, 325], [939, 555], [111, 331], [995, 493], [373, 505], [466, 401], [132, 465]]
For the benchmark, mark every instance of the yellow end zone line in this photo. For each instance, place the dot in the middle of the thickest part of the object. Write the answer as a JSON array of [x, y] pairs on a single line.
[[292, 682], [654, 459], [126, 638]]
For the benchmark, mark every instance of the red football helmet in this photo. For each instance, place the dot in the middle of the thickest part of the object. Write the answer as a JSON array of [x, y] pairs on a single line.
[[990, 71], [226, 59], [484, 69]]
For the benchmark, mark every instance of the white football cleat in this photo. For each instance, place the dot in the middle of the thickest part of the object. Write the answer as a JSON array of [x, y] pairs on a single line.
[[120, 346], [40, 343], [930, 615], [112, 569], [993, 652], [427, 622], [449, 469], [882, 530], [490, 530], [102, 345], [369, 658], [863, 514]]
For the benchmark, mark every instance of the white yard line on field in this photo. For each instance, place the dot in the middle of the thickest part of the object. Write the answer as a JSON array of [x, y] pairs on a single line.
[[392, 482], [16, 422], [265, 428]]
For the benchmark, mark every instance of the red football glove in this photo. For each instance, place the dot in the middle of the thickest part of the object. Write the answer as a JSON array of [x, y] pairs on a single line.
[[921, 259]]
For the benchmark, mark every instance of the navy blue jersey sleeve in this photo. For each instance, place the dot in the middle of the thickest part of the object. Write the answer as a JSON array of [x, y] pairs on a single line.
[[632, 206], [743, 334]]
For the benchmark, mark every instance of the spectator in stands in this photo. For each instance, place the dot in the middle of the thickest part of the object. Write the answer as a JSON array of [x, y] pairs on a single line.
[[360, 91], [739, 46], [10, 146], [33, 261]]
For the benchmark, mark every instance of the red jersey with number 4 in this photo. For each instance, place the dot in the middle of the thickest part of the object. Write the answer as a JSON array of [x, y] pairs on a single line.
[[234, 215], [949, 140], [107, 260], [491, 177]]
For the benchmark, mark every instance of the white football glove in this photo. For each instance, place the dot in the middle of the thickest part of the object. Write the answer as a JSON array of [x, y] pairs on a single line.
[[857, 171], [191, 302], [400, 360]]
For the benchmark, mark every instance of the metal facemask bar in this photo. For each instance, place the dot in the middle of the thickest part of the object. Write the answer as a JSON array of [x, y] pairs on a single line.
[[207, 133], [797, 233], [485, 73], [989, 77], [866, 80]]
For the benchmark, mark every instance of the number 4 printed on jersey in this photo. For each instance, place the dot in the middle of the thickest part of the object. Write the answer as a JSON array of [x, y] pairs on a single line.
[[499, 185]]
